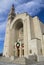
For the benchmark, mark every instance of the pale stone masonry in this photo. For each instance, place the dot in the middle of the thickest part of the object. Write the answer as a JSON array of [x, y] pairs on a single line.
[[24, 36]]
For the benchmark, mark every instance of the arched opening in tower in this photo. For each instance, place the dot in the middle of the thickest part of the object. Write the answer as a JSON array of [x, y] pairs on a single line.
[[19, 37]]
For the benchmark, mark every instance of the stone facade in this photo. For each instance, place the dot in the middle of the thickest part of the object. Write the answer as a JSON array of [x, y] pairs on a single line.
[[24, 36]]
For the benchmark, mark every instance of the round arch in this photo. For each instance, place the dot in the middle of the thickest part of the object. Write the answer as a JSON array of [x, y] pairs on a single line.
[[18, 24], [21, 17], [18, 27]]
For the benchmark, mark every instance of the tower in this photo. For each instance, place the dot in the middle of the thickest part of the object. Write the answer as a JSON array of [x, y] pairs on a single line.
[[7, 46], [12, 13]]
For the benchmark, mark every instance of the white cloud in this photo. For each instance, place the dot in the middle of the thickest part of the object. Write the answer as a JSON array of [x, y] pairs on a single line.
[[2, 26], [6, 4], [32, 7], [2, 31]]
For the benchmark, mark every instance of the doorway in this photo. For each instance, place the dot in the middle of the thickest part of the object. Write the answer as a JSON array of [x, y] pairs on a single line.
[[18, 52]]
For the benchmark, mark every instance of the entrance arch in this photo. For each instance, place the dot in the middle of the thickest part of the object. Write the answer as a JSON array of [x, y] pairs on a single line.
[[18, 26], [20, 23]]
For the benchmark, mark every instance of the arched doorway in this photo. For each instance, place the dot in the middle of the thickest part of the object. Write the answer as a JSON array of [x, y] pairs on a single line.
[[19, 37]]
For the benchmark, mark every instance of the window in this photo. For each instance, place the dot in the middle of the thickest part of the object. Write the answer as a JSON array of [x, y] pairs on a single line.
[[23, 52], [41, 51], [30, 51]]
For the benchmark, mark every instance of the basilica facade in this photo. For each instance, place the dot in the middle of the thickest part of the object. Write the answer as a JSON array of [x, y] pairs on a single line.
[[24, 35]]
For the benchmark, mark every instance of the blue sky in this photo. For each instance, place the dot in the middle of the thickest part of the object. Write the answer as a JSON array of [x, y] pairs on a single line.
[[32, 7]]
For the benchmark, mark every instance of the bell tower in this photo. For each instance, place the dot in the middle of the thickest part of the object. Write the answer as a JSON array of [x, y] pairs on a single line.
[[7, 43]]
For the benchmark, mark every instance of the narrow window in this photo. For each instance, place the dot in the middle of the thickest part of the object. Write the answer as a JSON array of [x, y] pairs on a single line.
[[30, 51]]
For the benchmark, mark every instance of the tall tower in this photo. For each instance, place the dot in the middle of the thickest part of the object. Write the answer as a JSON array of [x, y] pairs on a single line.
[[7, 46], [12, 13]]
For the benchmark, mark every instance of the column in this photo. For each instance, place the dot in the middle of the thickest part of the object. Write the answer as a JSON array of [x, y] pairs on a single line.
[[25, 39], [20, 50]]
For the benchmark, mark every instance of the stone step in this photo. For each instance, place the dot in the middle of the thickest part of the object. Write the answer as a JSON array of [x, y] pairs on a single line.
[[21, 60], [38, 63], [4, 59], [32, 57]]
